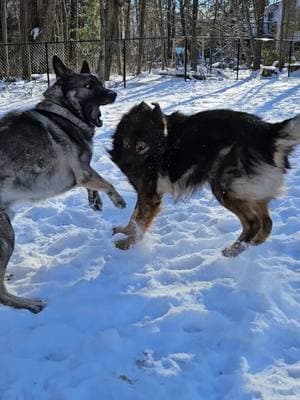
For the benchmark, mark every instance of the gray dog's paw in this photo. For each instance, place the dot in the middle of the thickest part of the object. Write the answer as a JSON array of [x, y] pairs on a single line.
[[96, 205], [118, 201], [36, 306]]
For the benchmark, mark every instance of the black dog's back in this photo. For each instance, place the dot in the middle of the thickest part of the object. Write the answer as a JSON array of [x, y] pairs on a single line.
[[197, 140]]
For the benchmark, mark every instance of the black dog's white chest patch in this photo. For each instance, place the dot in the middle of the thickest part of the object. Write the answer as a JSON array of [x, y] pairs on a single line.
[[180, 188]]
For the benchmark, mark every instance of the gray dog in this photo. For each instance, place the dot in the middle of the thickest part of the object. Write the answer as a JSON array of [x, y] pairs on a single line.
[[46, 151]]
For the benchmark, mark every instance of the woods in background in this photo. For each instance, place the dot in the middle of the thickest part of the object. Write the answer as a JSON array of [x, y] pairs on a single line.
[[37, 21]]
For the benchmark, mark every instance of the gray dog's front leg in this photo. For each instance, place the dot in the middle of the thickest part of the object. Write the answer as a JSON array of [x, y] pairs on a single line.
[[90, 179], [94, 199], [7, 240]]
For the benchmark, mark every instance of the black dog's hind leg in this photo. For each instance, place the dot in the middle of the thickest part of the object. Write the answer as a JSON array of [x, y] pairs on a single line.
[[94, 199], [255, 220], [7, 241]]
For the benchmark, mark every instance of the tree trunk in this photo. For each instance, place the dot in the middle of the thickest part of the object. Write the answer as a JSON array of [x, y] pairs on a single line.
[[73, 59], [64, 21], [287, 27], [259, 11], [249, 29], [141, 36], [127, 20], [118, 47], [173, 12], [213, 34], [112, 8], [4, 66], [47, 20], [24, 36], [162, 34], [170, 7], [101, 61], [194, 44], [183, 16], [238, 24]]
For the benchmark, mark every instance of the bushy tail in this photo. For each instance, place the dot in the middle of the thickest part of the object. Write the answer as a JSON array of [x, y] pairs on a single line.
[[288, 132]]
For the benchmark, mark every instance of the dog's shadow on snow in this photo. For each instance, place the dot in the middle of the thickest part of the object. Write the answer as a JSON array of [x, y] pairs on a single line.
[[268, 104]]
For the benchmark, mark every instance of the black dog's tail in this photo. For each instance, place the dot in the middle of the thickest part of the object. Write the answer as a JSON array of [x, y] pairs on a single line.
[[288, 133]]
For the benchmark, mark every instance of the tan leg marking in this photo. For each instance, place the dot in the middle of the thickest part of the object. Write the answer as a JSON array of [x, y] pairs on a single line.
[[147, 207], [255, 220]]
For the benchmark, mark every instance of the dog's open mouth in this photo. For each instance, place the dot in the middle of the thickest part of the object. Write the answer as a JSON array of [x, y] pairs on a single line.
[[93, 115], [92, 112]]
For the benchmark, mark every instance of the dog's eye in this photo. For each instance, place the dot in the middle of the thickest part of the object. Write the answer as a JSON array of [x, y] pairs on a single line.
[[88, 86], [126, 144], [141, 147]]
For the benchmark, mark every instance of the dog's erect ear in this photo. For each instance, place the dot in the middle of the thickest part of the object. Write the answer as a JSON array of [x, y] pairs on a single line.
[[143, 107], [157, 110], [85, 69], [59, 67], [157, 113]]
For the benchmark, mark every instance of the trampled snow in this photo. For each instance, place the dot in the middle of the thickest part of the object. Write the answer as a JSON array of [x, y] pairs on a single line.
[[171, 318]]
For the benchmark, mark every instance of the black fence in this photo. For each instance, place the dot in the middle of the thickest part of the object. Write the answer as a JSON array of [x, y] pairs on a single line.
[[165, 56]]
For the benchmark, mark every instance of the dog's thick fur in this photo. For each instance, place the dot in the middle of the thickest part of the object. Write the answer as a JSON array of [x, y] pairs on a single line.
[[241, 157], [46, 151]]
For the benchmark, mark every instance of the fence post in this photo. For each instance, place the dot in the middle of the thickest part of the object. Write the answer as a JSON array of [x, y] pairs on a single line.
[[124, 63], [185, 58], [238, 59], [290, 57], [47, 63]]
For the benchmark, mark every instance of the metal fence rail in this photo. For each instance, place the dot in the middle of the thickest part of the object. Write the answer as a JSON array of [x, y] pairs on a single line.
[[173, 56]]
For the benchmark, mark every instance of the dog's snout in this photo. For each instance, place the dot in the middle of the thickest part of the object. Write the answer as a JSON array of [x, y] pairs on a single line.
[[112, 94]]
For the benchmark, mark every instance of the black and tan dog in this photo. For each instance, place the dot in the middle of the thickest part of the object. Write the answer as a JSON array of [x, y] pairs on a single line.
[[46, 151], [241, 157]]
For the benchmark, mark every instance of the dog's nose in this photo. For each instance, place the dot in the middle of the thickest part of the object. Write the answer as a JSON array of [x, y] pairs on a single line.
[[112, 94]]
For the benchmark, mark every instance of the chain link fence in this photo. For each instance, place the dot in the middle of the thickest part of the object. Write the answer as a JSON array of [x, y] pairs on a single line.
[[182, 57]]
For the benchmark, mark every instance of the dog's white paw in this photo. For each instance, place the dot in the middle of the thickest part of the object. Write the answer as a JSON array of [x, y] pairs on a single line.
[[119, 229], [235, 249], [125, 244]]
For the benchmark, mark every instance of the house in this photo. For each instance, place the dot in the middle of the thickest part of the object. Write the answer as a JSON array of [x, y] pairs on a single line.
[[272, 20]]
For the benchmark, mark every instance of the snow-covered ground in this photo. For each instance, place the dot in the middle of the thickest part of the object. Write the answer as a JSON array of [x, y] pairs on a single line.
[[170, 318]]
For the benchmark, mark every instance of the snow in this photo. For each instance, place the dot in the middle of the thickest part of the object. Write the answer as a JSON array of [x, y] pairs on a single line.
[[171, 318]]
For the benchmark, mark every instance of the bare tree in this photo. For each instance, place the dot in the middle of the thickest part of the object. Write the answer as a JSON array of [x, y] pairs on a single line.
[[194, 44], [141, 35], [47, 16], [213, 28], [109, 19], [287, 28], [182, 7], [24, 36], [259, 11], [101, 62], [239, 23], [4, 60], [127, 19], [170, 25], [162, 33], [249, 30], [73, 33]]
